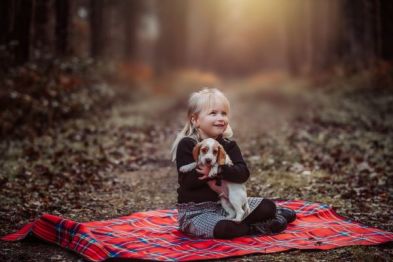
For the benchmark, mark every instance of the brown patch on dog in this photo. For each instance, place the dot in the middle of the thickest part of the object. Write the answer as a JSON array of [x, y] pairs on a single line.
[[221, 155], [196, 150]]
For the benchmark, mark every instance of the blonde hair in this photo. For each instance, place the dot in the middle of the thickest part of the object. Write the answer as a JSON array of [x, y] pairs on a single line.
[[197, 102]]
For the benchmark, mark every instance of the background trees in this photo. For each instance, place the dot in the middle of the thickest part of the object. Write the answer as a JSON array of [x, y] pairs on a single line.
[[230, 37]]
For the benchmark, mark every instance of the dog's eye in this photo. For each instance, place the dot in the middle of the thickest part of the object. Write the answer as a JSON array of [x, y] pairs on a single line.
[[215, 151], [204, 150]]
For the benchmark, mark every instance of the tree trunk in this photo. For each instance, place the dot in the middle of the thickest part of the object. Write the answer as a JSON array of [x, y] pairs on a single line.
[[292, 43], [20, 30], [62, 8], [386, 29], [131, 12], [97, 35], [5, 17], [172, 44], [43, 30]]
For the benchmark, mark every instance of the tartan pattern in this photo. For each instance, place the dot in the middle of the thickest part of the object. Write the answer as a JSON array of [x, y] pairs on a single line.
[[199, 219], [154, 235]]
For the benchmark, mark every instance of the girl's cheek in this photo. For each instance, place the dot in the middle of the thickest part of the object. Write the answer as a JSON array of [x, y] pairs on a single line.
[[211, 118]]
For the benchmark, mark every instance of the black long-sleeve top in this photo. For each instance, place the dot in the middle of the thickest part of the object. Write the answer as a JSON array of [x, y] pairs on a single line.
[[192, 189]]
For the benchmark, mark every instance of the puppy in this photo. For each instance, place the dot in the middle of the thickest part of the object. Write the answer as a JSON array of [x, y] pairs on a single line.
[[234, 196]]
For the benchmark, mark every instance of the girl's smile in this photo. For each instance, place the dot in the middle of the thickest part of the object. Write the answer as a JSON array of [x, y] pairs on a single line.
[[207, 117], [213, 121]]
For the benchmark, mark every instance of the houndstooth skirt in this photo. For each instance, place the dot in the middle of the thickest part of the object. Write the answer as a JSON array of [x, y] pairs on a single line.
[[199, 219]]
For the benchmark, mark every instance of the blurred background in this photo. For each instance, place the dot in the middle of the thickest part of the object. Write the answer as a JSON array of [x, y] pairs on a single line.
[[230, 37], [50, 49], [93, 93]]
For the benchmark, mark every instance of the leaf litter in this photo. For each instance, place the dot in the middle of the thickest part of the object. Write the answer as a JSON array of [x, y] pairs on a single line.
[[330, 144]]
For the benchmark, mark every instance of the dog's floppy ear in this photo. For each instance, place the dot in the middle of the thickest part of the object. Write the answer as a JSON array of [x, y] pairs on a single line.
[[221, 155], [195, 151]]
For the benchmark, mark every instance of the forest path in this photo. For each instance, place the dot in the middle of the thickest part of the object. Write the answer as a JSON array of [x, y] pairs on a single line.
[[332, 145]]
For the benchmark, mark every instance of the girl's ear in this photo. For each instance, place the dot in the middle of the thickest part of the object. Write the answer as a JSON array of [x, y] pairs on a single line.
[[194, 119], [221, 155], [228, 131], [195, 151]]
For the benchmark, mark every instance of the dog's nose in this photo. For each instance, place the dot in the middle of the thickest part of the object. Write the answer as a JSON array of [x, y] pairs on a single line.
[[208, 160]]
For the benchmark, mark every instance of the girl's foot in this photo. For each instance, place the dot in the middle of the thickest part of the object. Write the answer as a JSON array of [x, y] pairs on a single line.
[[269, 227], [288, 213]]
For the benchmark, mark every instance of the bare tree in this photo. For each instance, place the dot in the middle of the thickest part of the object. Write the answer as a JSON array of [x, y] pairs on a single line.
[[131, 15], [97, 32], [62, 28], [172, 44], [19, 29], [42, 30], [386, 32]]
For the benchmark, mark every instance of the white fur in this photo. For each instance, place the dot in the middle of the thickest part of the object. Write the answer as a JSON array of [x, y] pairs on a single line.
[[235, 202]]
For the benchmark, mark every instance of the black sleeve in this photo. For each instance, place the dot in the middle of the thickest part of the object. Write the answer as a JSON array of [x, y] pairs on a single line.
[[238, 173], [184, 156]]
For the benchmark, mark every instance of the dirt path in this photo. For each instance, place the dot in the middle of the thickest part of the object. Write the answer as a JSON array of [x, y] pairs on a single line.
[[322, 145]]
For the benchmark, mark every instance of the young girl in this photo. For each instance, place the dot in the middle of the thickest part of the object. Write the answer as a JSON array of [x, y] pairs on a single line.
[[199, 212]]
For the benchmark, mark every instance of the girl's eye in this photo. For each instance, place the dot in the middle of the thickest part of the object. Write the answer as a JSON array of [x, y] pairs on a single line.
[[215, 113]]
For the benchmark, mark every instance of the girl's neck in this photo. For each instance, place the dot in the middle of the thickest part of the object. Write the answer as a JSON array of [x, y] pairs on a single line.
[[202, 135]]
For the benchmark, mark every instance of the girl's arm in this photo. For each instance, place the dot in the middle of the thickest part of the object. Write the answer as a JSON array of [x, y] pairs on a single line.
[[238, 173], [188, 180]]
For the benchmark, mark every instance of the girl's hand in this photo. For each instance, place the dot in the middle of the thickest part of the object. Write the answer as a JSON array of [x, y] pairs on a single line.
[[218, 189], [203, 170]]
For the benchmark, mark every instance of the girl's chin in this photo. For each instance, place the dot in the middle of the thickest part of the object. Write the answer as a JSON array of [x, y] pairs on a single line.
[[216, 134], [216, 131]]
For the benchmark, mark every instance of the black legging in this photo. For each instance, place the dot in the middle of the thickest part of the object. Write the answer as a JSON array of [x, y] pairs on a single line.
[[227, 229]]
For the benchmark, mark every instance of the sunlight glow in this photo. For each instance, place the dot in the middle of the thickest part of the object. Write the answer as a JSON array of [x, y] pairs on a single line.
[[261, 32]]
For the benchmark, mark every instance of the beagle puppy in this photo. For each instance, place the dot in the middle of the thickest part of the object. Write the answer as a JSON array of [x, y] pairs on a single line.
[[234, 196]]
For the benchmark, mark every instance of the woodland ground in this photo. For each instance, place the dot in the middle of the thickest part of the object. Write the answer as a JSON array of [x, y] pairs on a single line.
[[329, 142]]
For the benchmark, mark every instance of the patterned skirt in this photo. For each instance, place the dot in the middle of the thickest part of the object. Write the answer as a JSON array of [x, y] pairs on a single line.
[[199, 219]]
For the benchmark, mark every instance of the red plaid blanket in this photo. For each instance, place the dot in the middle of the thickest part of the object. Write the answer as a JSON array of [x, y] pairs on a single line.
[[154, 235]]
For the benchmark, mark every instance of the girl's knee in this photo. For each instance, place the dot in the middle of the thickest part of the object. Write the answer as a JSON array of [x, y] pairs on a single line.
[[269, 207], [265, 210], [226, 229]]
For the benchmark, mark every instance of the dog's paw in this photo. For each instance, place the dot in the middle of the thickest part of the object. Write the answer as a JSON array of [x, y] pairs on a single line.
[[230, 216], [236, 220], [228, 161], [184, 169], [212, 174]]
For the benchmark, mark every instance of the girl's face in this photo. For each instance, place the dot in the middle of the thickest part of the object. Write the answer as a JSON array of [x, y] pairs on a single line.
[[212, 121]]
